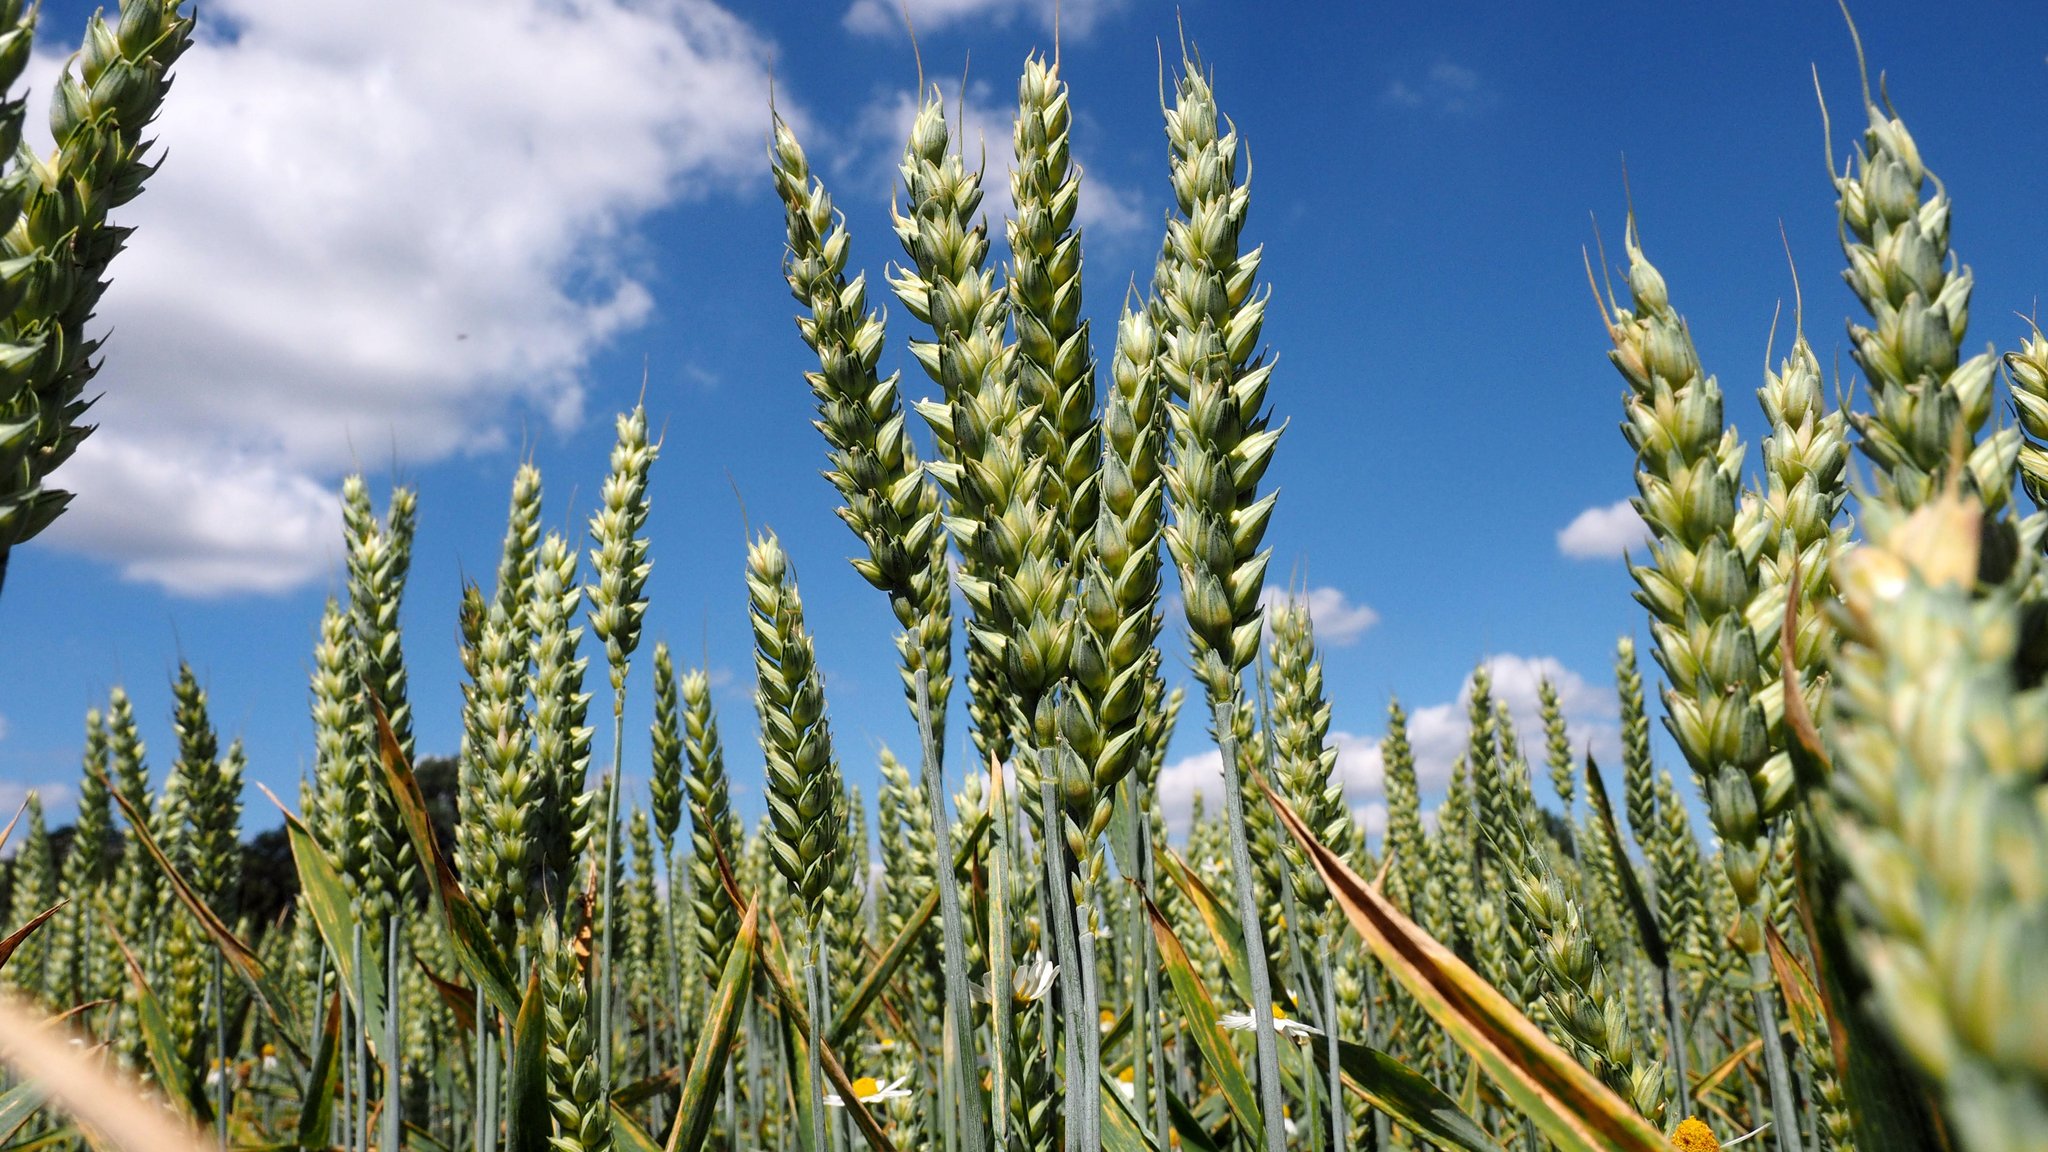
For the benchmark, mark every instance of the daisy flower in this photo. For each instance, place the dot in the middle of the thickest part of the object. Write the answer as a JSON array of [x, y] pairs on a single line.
[[869, 1091]]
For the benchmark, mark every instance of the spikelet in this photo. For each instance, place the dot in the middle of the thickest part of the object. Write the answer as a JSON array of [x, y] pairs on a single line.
[[1923, 394], [1055, 366], [500, 800], [640, 941], [1578, 996], [1115, 661], [1701, 580], [71, 979], [101, 104], [1557, 749], [1306, 765], [344, 808], [34, 889], [618, 599], [137, 879], [805, 795], [378, 558], [713, 828], [2027, 368], [1406, 841], [1944, 816], [17, 516], [563, 820], [665, 778], [1209, 318], [582, 1121], [888, 500], [947, 287]]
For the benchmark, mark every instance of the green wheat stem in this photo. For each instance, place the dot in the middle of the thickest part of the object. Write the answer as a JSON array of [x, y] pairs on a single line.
[[967, 1114]]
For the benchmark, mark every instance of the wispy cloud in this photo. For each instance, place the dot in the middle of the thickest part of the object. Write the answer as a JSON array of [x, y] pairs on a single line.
[[405, 245], [1603, 533], [1338, 621], [1075, 18], [1445, 88]]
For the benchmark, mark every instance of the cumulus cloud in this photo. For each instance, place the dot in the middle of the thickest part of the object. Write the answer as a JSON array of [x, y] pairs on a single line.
[[983, 121], [167, 515], [1075, 18], [1446, 88], [1437, 736], [377, 233], [1603, 533], [1358, 770], [1338, 622]]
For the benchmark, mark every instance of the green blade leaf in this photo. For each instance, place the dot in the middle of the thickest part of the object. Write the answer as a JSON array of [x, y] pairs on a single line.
[[471, 939], [158, 1041], [17, 1105], [1198, 1015], [699, 1101], [15, 938], [528, 1120], [1631, 887], [1567, 1103], [1220, 919], [627, 1134], [878, 977], [323, 895], [1121, 1131], [238, 955], [1407, 1097], [316, 1104]]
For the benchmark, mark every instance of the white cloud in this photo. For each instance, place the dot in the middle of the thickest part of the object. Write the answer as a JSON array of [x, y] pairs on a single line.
[[984, 124], [1358, 769], [1603, 533], [1338, 622], [57, 797], [1076, 18], [1436, 736], [1446, 88], [383, 228], [169, 516]]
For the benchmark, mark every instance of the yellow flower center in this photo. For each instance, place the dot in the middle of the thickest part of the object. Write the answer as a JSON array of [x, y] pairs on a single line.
[[1694, 1136], [1127, 1076], [1107, 1018], [865, 1087], [1279, 1013]]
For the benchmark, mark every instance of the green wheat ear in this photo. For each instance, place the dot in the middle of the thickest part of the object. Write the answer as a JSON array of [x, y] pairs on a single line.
[[1923, 393], [713, 828], [888, 500], [805, 795], [58, 239]]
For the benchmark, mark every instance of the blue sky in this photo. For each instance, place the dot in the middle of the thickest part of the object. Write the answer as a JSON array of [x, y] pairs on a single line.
[[428, 237]]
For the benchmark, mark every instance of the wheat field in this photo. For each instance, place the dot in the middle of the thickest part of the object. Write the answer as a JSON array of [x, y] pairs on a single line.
[[511, 949]]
